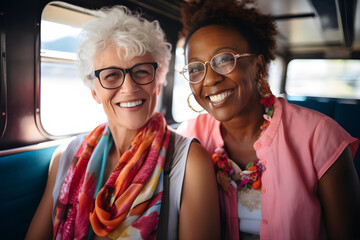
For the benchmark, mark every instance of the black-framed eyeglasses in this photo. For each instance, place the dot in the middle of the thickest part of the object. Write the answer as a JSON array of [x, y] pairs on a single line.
[[222, 63], [114, 77]]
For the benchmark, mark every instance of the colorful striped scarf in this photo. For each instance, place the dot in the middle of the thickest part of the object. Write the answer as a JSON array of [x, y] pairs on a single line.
[[128, 205]]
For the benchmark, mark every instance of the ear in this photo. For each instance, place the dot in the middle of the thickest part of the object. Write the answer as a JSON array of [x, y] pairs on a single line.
[[95, 96], [260, 64], [158, 89]]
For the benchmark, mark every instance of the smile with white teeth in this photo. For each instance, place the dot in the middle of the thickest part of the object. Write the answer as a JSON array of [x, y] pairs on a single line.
[[130, 104], [219, 97]]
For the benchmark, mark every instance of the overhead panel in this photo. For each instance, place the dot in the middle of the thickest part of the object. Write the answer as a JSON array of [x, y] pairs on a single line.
[[305, 24], [356, 43]]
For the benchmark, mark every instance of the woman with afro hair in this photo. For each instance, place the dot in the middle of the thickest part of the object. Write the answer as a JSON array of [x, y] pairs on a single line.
[[284, 171]]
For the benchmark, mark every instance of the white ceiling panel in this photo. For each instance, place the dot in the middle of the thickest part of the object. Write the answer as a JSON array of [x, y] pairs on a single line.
[[285, 7]]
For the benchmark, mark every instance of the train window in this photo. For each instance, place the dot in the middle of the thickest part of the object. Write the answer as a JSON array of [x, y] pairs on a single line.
[[182, 91], [180, 109], [276, 70], [335, 78], [66, 104]]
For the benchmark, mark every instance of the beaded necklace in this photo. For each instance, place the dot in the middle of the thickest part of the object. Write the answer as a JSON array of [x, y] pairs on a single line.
[[251, 176]]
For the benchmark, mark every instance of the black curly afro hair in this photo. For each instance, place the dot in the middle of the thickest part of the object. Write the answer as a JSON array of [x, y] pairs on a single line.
[[257, 28]]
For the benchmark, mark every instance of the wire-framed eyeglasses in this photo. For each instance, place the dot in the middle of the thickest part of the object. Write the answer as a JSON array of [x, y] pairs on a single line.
[[222, 63], [114, 77]]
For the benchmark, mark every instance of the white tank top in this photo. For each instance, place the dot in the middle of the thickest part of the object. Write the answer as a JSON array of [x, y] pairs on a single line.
[[249, 208]]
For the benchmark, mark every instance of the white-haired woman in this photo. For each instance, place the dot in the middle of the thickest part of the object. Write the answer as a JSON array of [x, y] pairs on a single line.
[[126, 179]]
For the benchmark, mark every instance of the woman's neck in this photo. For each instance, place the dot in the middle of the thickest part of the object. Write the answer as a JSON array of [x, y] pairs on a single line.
[[122, 137], [240, 133], [244, 127]]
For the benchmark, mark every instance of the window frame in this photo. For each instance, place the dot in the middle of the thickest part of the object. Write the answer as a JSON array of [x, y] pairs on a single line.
[[50, 56], [3, 85]]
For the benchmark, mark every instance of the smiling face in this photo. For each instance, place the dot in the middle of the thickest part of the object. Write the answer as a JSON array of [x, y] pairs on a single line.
[[129, 106], [233, 94]]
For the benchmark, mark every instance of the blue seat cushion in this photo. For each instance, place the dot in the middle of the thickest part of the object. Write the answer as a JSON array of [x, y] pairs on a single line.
[[22, 181]]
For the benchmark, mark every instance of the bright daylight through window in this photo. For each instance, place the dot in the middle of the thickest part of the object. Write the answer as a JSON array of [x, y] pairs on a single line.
[[66, 104], [336, 78]]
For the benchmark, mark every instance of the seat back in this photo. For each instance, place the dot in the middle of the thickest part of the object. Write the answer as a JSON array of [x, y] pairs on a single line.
[[347, 114], [23, 178]]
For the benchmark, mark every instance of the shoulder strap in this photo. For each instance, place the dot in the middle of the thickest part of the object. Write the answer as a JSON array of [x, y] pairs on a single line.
[[164, 210]]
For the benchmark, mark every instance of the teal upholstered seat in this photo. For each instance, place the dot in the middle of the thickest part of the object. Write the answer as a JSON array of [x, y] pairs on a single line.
[[22, 181]]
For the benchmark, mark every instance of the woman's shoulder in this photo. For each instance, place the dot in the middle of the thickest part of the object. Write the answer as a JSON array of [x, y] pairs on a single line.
[[201, 119], [302, 115], [180, 140], [301, 124], [321, 130], [67, 148], [71, 147], [200, 127], [186, 148], [181, 149], [65, 154]]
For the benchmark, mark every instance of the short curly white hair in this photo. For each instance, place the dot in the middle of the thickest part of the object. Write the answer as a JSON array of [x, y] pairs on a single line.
[[130, 32]]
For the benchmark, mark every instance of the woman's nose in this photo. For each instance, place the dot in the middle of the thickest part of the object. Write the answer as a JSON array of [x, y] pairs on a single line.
[[128, 86], [211, 77]]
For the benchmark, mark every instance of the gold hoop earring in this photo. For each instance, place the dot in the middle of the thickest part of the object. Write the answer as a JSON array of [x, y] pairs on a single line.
[[263, 87], [188, 101]]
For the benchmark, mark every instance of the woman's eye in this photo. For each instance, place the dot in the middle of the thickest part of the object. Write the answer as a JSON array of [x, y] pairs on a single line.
[[195, 69], [112, 76], [224, 59], [141, 73]]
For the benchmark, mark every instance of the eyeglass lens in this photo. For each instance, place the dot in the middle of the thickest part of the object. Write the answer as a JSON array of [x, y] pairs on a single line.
[[114, 77], [222, 63]]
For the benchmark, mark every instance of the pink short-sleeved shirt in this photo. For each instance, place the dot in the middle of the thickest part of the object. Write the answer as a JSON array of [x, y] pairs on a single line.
[[297, 149]]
